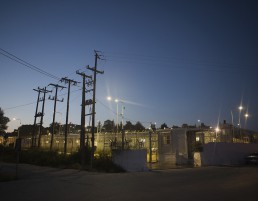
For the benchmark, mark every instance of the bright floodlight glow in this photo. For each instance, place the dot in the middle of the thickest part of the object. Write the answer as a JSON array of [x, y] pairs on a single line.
[[217, 129], [116, 100], [109, 98], [246, 115], [240, 107]]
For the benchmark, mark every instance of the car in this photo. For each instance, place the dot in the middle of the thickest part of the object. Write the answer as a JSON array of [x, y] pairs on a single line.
[[252, 158]]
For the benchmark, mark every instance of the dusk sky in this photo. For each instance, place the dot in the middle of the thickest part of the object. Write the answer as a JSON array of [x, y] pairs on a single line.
[[170, 61]]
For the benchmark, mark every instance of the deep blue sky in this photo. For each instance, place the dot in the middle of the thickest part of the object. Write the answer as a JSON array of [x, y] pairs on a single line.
[[177, 61]]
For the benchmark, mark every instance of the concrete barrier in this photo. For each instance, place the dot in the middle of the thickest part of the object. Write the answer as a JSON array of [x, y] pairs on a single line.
[[131, 160], [223, 153]]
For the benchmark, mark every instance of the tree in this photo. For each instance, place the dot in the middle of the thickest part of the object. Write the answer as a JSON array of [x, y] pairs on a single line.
[[26, 130], [139, 127], [163, 126], [3, 121], [109, 125], [56, 128], [129, 126]]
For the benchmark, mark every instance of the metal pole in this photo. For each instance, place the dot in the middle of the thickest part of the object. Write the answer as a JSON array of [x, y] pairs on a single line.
[[122, 115], [150, 154], [233, 127], [117, 118]]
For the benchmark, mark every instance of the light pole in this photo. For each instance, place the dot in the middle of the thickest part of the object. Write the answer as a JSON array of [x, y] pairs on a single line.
[[217, 129], [18, 127], [239, 120], [233, 127], [122, 114], [246, 116], [116, 100], [199, 123], [109, 98]]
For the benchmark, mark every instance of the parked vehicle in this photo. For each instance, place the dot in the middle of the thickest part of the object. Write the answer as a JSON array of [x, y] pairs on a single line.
[[252, 158]]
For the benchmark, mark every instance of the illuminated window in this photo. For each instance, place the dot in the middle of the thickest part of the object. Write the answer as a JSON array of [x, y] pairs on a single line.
[[166, 139]]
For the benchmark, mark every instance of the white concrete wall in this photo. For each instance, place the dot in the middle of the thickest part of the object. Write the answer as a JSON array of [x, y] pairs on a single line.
[[131, 160], [223, 153], [179, 145]]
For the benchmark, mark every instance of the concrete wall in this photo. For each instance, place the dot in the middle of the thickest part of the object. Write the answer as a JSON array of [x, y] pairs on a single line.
[[179, 146], [131, 160], [223, 153], [172, 148]]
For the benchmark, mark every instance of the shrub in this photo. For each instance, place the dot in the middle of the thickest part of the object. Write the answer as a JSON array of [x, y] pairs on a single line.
[[40, 157], [105, 163]]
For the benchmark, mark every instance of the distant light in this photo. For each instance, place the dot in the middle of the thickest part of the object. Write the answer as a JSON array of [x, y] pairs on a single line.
[[246, 115], [217, 129], [116, 100], [240, 107], [109, 98]]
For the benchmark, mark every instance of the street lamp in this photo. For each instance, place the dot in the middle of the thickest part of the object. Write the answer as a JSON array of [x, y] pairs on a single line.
[[217, 130], [18, 127], [109, 98], [239, 119], [246, 116]]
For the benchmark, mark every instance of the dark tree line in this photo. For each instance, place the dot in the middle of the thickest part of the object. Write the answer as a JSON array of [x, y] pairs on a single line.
[[110, 126], [3, 121]]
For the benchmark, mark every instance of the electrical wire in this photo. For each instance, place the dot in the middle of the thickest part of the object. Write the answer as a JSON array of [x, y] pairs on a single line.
[[25, 63], [180, 62]]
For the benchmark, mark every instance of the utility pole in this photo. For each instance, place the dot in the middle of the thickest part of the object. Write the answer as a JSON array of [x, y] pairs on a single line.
[[42, 113], [38, 114], [95, 71], [69, 82], [54, 114], [82, 137], [33, 139]]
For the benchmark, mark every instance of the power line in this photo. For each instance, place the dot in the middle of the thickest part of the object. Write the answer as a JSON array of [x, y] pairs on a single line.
[[27, 64], [26, 104], [9, 108], [154, 60]]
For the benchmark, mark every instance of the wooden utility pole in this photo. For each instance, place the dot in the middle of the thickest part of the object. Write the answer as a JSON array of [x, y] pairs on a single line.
[[54, 113], [95, 71], [82, 136], [33, 138], [42, 113], [69, 82]]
